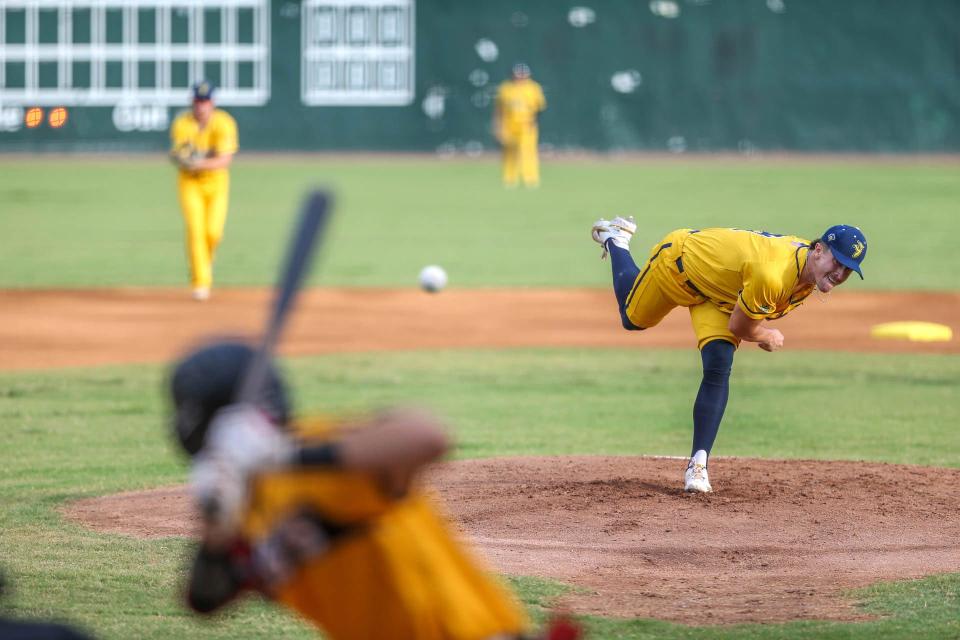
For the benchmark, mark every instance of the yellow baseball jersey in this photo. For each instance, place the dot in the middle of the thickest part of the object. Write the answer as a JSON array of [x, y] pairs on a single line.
[[756, 270], [400, 574], [519, 102], [711, 270], [219, 137]]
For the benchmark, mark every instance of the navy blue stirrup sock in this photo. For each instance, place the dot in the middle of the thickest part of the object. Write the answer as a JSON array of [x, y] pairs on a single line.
[[625, 272], [711, 400]]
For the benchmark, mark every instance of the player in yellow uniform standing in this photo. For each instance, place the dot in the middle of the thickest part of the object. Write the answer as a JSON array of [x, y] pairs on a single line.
[[518, 104], [203, 143], [732, 280], [326, 517]]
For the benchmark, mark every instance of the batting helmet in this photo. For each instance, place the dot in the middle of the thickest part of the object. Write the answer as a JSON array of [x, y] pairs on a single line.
[[207, 380]]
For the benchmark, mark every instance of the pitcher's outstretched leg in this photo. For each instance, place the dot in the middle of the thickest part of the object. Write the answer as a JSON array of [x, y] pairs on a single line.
[[614, 235]]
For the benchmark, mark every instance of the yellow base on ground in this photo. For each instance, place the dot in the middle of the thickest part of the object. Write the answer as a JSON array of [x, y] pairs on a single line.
[[913, 331]]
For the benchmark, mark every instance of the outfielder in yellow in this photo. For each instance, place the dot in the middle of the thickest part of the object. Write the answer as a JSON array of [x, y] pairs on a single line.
[[203, 143], [326, 518], [731, 280], [518, 104]]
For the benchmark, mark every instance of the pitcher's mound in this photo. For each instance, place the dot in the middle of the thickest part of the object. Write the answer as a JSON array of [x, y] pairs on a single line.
[[777, 541]]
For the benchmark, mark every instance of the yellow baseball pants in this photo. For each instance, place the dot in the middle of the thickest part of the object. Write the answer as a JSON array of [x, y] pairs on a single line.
[[203, 201], [520, 158]]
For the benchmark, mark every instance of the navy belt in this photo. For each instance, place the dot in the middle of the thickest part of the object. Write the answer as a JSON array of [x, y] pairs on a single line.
[[690, 284]]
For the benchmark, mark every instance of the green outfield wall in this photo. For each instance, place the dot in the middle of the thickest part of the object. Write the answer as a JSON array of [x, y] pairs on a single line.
[[419, 75]]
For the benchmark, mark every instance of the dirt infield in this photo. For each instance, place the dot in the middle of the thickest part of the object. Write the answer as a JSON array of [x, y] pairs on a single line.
[[42, 329], [778, 541]]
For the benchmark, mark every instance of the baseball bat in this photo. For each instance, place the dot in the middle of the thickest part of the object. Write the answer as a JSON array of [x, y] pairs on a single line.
[[306, 235]]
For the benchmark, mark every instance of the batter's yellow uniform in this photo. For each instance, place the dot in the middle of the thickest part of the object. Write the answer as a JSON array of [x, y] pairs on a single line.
[[203, 194], [399, 574], [518, 103], [711, 270]]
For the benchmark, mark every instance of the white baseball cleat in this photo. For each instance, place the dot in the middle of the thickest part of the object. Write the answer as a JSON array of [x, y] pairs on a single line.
[[619, 231], [695, 479], [200, 294]]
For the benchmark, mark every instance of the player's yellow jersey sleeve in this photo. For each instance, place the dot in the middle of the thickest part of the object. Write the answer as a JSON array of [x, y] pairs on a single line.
[[345, 497], [223, 133], [537, 98], [182, 131], [763, 289], [503, 99]]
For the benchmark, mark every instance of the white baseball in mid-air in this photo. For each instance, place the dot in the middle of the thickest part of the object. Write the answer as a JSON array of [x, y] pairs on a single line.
[[433, 278]]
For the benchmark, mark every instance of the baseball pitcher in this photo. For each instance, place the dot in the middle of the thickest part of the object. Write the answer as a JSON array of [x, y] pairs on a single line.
[[203, 143], [732, 281]]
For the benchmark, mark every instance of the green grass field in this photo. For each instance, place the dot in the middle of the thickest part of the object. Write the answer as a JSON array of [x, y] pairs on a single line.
[[103, 222], [81, 432]]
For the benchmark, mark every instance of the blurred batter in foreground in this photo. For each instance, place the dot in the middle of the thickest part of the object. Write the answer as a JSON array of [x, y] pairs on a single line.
[[203, 143], [326, 516], [518, 104]]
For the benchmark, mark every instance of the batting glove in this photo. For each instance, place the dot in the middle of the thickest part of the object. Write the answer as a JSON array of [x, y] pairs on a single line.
[[221, 493], [243, 437]]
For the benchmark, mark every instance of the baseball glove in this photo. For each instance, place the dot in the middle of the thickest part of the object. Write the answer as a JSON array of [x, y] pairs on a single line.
[[185, 157]]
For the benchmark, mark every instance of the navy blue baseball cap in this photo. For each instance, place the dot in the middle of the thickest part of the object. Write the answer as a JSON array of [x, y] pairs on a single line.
[[203, 90], [848, 245]]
